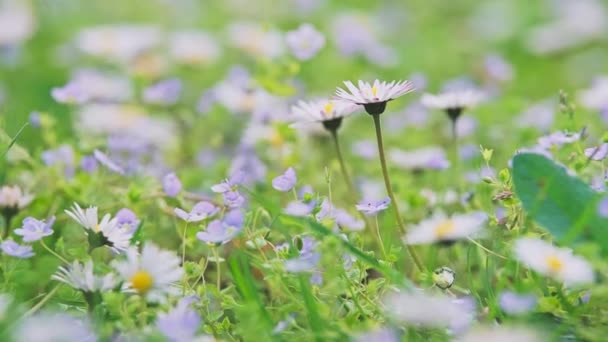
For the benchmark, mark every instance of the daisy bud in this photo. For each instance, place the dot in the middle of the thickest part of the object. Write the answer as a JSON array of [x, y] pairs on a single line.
[[444, 277]]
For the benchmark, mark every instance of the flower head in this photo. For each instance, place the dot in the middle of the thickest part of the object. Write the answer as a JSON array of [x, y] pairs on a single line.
[[73, 93], [514, 303], [171, 184], [151, 273], [440, 228], [286, 181], [453, 102], [305, 42], [597, 153], [222, 231], [419, 308], [328, 112], [558, 263], [371, 208], [13, 199], [233, 199], [81, 277], [107, 232], [16, 250], [34, 230], [200, 211], [229, 184], [51, 327], [181, 323], [166, 92], [125, 217], [374, 96], [424, 158]]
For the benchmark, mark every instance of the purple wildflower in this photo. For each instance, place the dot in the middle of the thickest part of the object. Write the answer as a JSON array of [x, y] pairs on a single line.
[[316, 278], [106, 161], [305, 42], [200, 211], [233, 199], [171, 184], [165, 92], [371, 208], [72, 93], [34, 230], [88, 164], [35, 119], [515, 304], [286, 181], [223, 231], [298, 208], [126, 217], [346, 221], [181, 323], [230, 183], [63, 155], [14, 249], [602, 207], [597, 153]]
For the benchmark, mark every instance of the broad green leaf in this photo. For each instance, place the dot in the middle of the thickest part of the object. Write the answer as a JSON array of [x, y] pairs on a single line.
[[563, 204]]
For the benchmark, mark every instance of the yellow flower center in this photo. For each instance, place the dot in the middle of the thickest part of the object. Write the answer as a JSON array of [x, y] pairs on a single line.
[[141, 281], [555, 264], [374, 91], [97, 228], [276, 139], [444, 228], [328, 108]]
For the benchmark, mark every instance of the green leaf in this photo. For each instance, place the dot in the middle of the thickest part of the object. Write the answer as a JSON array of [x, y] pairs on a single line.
[[317, 325], [563, 204]]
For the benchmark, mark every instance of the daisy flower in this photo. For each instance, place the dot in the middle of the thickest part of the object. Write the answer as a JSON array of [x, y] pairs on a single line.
[[558, 263], [150, 274], [48, 326], [107, 232], [81, 277], [453, 102], [328, 112], [419, 308], [374, 96], [12, 199], [440, 228]]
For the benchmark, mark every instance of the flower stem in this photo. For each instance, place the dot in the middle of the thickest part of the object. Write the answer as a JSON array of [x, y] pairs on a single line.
[[217, 263], [53, 252], [389, 190], [345, 174]]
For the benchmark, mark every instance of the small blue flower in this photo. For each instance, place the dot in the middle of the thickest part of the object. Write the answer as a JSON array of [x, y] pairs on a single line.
[[221, 232], [172, 185], [126, 217], [72, 93], [16, 250], [233, 199], [229, 184], [515, 304], [597, 153], [165, 92], [346, 221], [34, 230], [181, 323], [371, 208], [298, 208], [200, 211], [286, 181], [602, 207], [88, 164]]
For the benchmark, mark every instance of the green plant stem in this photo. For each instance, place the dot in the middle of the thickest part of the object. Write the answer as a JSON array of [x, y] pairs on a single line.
[[349, 183], [53, 252], [389, 190], [218, 270]]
